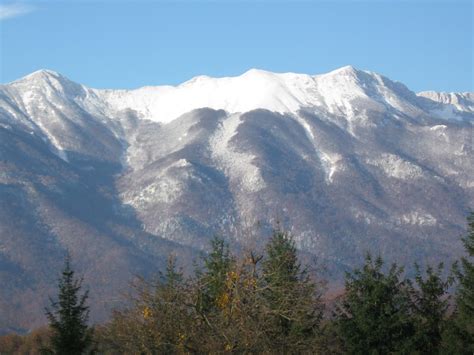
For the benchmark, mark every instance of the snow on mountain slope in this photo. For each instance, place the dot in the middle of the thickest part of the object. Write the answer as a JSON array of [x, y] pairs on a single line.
[[346, 91], [237, 165], [449, 105], [61, 111], [335, 92], [349, 160], [254, 89], [461, 101]]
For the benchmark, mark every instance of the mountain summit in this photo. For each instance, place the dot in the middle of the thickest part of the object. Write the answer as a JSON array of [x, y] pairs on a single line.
[[349, 161], [346, 91]]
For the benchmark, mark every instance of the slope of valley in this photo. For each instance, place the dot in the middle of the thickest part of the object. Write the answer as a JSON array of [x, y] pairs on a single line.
[[349, 161]]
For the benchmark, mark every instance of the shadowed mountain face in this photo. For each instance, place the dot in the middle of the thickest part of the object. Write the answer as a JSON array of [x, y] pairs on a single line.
[[349, 161]]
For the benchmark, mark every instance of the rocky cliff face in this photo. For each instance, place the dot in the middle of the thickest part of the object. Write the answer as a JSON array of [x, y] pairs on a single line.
[[349, 161]]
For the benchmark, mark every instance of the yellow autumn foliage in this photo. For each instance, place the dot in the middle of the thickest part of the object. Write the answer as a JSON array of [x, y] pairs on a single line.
[[146, 312], [223, 300]]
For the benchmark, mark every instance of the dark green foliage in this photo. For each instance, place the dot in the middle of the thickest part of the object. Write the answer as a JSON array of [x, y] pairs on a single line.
[[465, 296], [172, 277], [281, 266], [158, 323], [212, 279], [270, 304], [430, 308], [68, 316], [462, 335], [292, 300], [374, 315], [166, 310], [230, 305]]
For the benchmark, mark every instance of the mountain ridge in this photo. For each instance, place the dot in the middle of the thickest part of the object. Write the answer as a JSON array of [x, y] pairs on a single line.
[[278, 92], [120, 179]]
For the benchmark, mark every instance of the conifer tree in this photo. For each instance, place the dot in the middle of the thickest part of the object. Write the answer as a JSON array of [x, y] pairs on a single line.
[[159, 320], [165, 312], [464, 315], [68, 316], [291, 297], [430, 308], [217, 264], [374, 315]]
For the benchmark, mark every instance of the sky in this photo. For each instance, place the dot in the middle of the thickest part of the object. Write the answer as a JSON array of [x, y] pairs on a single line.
[[427, 45]]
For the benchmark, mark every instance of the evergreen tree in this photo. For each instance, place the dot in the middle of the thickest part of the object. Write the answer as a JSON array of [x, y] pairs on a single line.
[[374, 315], [217, 264], [68, 316], [294, 308], [464, 314], [430, 307], [165, 312], [158, 322]]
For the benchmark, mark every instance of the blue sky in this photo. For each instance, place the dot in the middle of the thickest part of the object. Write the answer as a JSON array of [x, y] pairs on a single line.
[[127, 44]]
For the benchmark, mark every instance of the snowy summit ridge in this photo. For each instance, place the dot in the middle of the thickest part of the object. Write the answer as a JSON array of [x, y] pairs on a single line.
[[345, 91]]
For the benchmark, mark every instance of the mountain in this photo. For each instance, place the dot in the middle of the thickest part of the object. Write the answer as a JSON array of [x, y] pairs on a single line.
[[349, 161]]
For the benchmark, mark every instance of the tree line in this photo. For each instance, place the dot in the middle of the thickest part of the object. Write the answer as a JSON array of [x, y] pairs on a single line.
[[270, 303]]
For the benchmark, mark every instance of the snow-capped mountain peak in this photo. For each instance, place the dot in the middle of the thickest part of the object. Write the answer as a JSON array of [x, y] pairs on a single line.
[[86, 170], [335, 92], [48, 83], [460, 101], [41, 74], [43, 77], [252, 90], [347, 92]]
